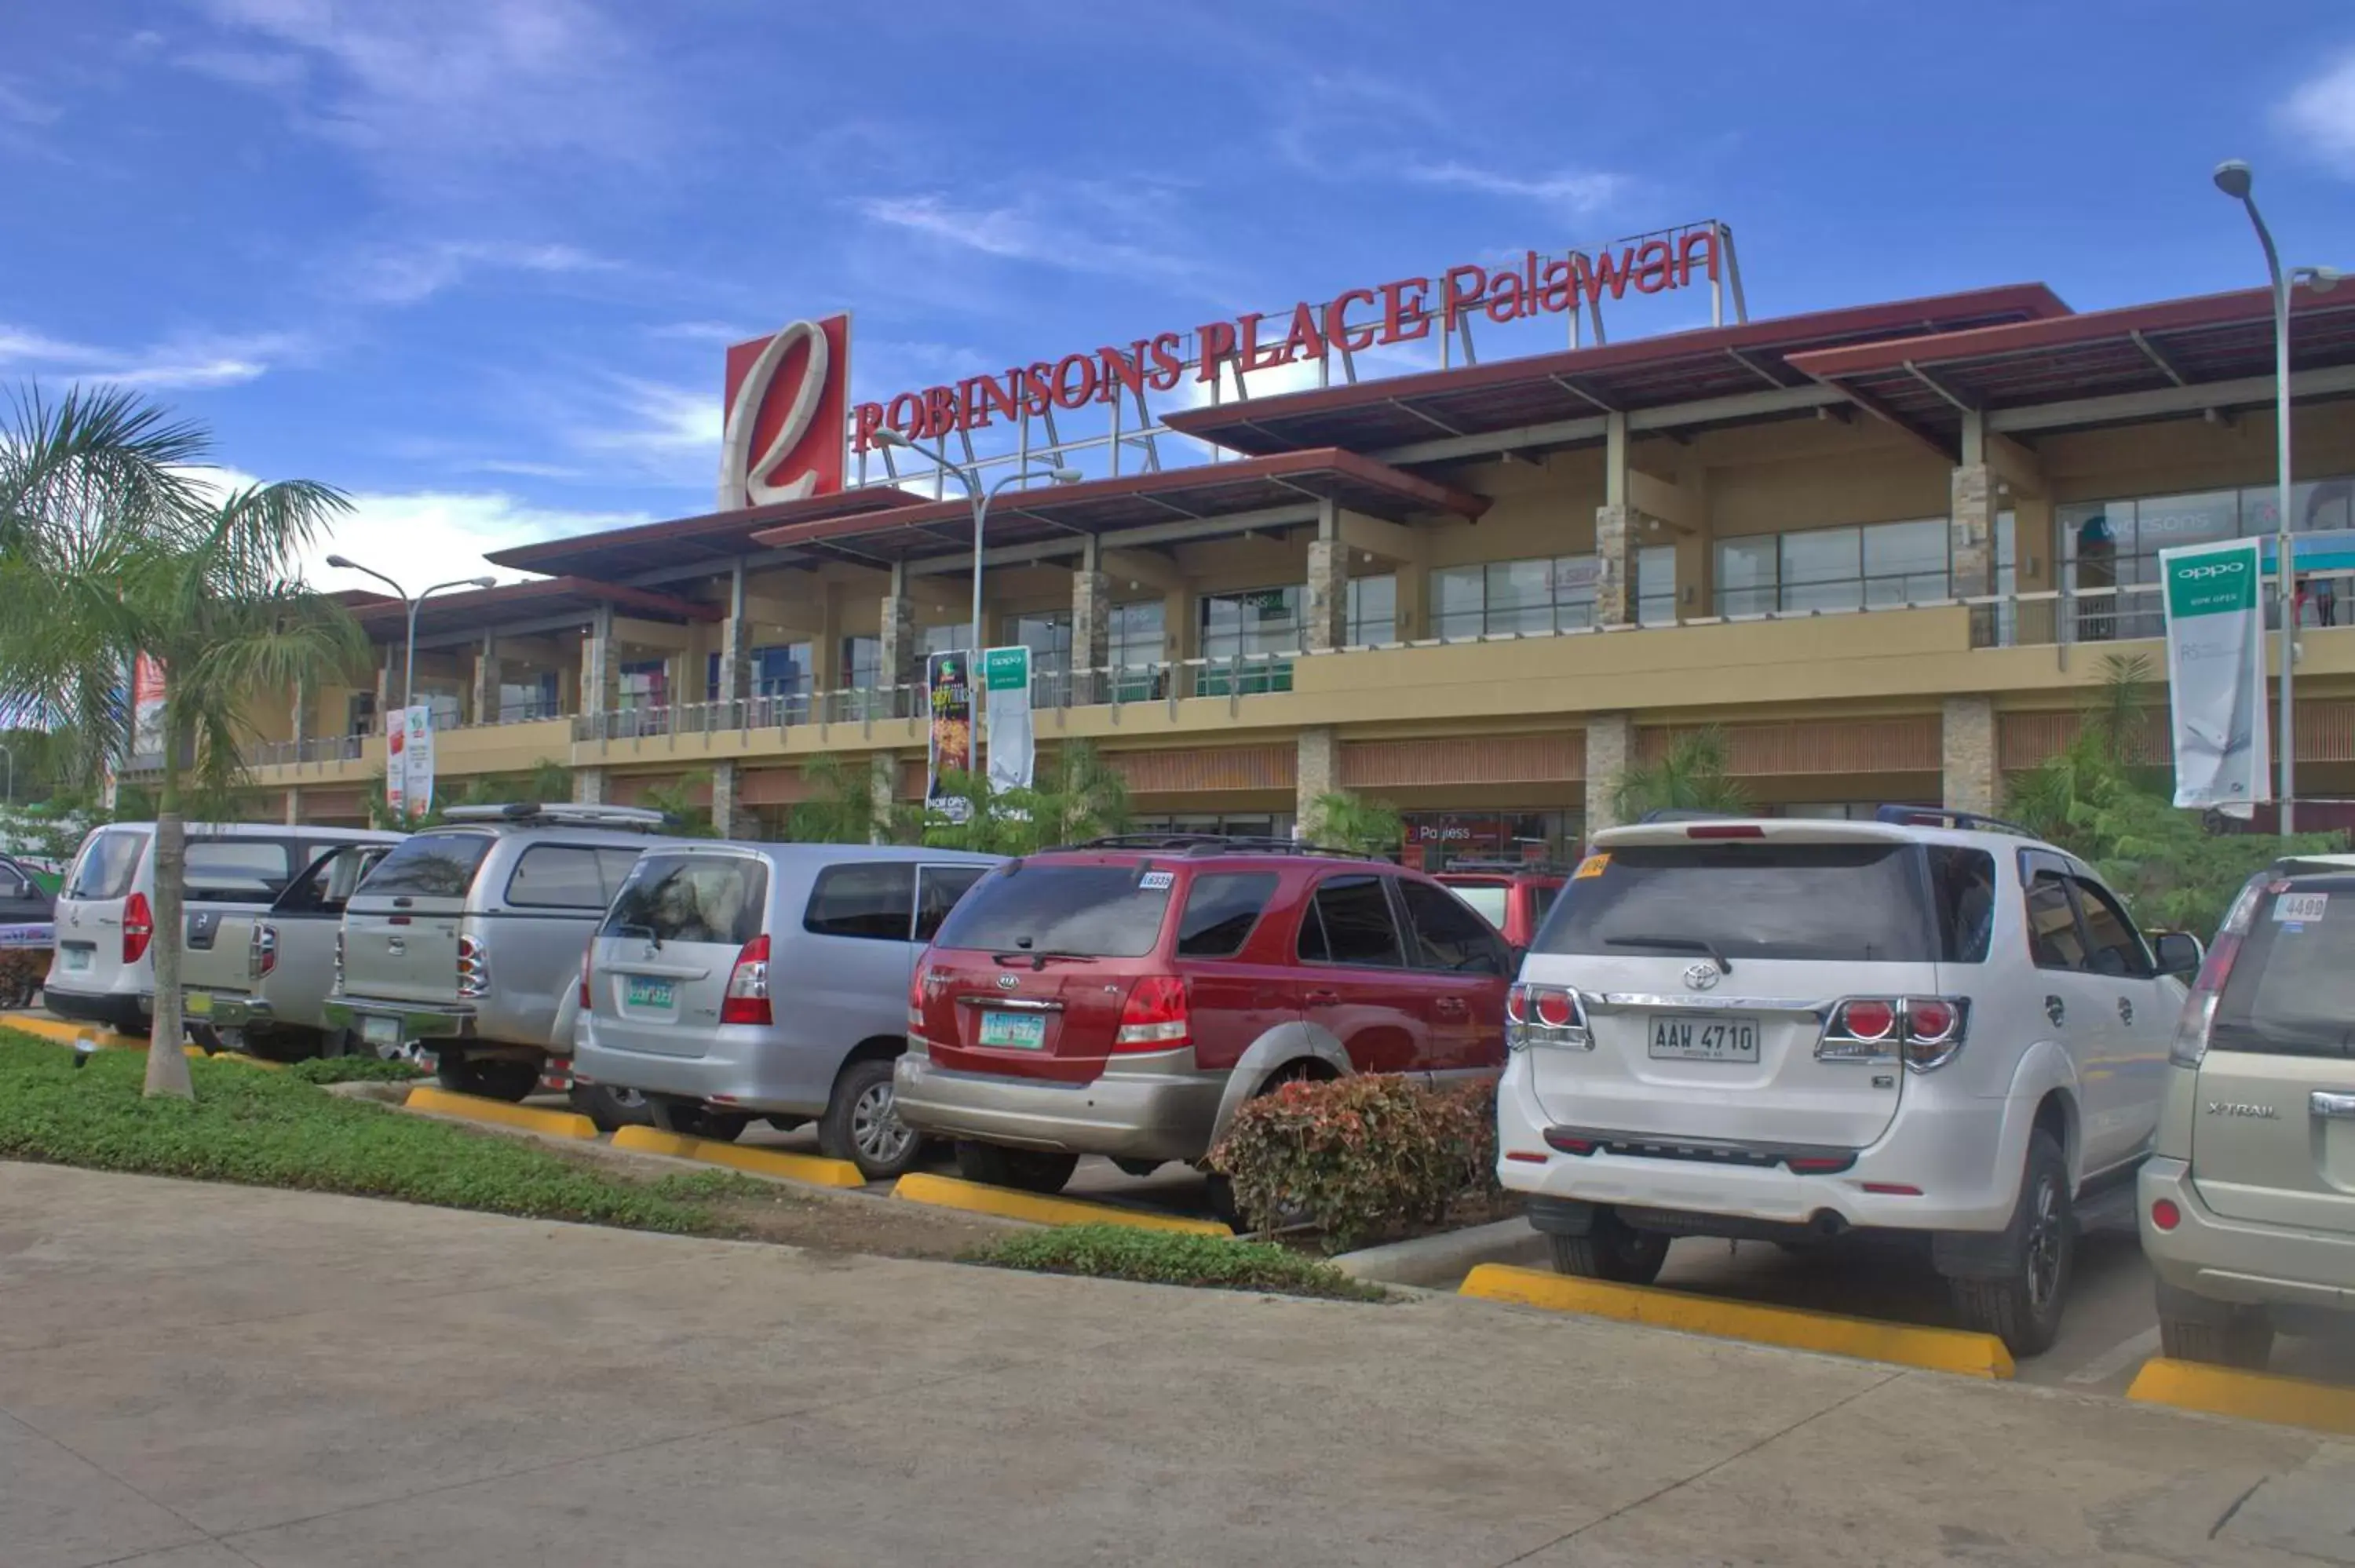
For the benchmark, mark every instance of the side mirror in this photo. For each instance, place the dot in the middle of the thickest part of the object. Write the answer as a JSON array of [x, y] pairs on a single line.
[[2179, 954]]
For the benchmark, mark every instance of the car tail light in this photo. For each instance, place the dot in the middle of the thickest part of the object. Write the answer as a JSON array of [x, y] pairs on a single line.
[[1819, 1164], [1156, 1016], [337, 988], [916, 1001], [138, 927], [2190, 1047], [262, 950], [1924, 1030], [2165, 1214], [748, 986], [474, 969], [588, 957], [1545, 1015]]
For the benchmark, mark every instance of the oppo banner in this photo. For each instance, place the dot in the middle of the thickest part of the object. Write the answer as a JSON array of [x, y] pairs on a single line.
[[2216, 673], [1006, 676]]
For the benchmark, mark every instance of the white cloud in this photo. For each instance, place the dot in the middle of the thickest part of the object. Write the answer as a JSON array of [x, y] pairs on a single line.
[[406, 276], [184, 362], [704, 332], [1082, 227], [261, 69], [1573, 194], [656, 431], [17, 104], [2320, 114]]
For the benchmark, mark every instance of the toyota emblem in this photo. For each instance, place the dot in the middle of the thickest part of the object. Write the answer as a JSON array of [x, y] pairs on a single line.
[[1700, 977], [1006, 982]]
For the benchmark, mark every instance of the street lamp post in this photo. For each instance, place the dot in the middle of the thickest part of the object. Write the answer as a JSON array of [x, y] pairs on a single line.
[[2235, 179], [409, 653], [980, 497]]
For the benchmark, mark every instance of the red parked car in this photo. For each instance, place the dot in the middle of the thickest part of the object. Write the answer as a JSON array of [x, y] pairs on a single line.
[[1124, 997], [1514, 895]]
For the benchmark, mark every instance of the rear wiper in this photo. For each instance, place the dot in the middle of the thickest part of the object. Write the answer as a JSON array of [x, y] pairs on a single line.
[[1684, 944], [1038, 959], [653, 937]]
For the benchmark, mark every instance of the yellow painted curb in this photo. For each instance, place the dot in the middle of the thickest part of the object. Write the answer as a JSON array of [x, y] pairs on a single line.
[[948, 1192], [64, 1032], [2251, 1396], [810, 1168], [197, 1054], [473, 1108], [1939, 1349]]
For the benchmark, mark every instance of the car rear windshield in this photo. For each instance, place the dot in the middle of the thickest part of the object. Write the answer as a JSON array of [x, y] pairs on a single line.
[[1099, 911], [1856, 901], [428, 866], [692, 898], [109, 863], [2291, 991]]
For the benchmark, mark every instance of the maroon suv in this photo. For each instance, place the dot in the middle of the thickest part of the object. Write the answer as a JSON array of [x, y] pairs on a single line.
[[1124, 997]]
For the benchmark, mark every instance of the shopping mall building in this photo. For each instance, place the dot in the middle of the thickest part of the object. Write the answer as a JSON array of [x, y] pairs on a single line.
[[1886, 549]]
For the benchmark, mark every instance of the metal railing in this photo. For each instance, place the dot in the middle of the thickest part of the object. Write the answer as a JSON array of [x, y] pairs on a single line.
[[317, 748]]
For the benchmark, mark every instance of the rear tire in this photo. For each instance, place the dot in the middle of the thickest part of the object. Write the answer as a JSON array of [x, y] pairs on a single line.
[[490, 1077], [1025, 1170], [2021, 1306], [609, 1106], [1612, 1250], [690, 1120], [284, 1045], [862, 1123]]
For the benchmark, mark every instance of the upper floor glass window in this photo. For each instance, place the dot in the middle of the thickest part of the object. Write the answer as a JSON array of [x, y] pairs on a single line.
[[862, 663], [645, 683], [1872, 566], [1373, 611], [2115, 544], [781, 671], [1543, 595], [1259, 621]]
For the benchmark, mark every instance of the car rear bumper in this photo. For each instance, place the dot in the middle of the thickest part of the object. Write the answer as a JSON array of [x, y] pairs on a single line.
[[1155, 1107], [118, 1009], [414, 1021], [1959, 1154], [760, 1075], [2208, 1255], [227, 1010]]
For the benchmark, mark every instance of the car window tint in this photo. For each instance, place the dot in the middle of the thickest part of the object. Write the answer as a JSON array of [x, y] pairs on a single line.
[[11, 884], [107, 865], [1356, 915], [2117, 946], [428, 866], [1449, 934], [938, 888], [2290, 990], [613, 868], [558, 876], [1221, 907], [1542, 898], [1490, 899], [2053, 940], [1845, 900], [1310, 948], [239, 870], [874, 899], [706, 898], [1102, 911], [1961, 881]]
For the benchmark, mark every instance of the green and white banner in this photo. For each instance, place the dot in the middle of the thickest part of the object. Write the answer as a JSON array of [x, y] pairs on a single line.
[[1006, 676], [2216, 673]]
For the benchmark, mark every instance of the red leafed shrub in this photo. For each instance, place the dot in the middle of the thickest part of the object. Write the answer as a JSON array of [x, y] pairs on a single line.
[[1360, 1158]]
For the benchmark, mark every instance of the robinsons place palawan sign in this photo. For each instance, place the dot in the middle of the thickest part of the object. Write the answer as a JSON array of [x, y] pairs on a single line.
[[791, 427]]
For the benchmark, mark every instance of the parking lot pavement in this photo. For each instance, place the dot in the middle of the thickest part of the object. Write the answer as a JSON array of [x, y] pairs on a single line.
[[194, 1375]]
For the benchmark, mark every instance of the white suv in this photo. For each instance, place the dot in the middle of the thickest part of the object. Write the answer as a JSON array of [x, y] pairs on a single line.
[[1789, 1030]]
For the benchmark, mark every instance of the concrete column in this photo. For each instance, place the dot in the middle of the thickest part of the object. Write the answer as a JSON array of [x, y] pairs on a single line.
[[1328, 585], [1318, 775], [727, 817], [600, 669], [1414, 601], [384, 691], [1972, 782], [1610, 746], [1614, 566], [1091, 626], [883, 790], [487, 680], [294, 807], [588, 785], [735, 652], [902, 665], [299, 731], [1971, 539]]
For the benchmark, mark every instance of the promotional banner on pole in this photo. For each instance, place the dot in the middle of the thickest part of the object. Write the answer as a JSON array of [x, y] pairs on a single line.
[[948, 685], [1006, 718], [417, 752], [2216, 673]]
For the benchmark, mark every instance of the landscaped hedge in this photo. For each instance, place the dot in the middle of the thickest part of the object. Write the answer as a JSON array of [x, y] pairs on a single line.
[[1360, 1158]]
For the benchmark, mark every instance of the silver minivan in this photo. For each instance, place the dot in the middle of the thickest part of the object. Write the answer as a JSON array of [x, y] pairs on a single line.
[[464, 943], [731, 981], [103, 968]]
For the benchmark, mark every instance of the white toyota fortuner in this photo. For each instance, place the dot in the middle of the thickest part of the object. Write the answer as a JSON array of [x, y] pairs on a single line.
[[1791, 1030]]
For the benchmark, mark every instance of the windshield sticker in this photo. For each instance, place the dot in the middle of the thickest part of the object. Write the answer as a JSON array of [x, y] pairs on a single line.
[[1593, 865], [2300, 906], [1157, 881]]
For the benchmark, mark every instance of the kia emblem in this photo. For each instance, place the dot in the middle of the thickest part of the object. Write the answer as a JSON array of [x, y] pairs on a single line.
[[1006, 982], [1700, 977]]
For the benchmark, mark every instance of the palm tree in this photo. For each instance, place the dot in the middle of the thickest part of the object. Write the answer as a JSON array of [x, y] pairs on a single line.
[[1346, 822], [841, 807], [1691, 776], [111, 549]]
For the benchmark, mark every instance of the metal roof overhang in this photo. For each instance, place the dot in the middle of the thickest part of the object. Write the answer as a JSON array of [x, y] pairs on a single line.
[[716, 538], [496, 610], [1199, 498], [2104, 366], [1398, 417]]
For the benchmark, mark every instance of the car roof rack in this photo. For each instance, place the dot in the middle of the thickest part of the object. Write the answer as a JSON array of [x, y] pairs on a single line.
[[641, 819], [1941, 816], [1688, 814], [1211, 843], [1543, 867]]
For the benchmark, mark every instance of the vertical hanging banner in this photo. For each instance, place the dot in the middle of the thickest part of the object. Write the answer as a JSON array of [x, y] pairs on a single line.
[[2216, 673], [948, 688], [395, 764], [1006, 718], [417, 752]]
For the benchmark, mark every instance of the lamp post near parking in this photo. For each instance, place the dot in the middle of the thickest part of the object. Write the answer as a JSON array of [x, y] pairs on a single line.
[[409, 655]]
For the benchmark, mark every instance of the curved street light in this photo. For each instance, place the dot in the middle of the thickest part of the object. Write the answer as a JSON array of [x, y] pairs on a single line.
[[409, 655], [980, 497]]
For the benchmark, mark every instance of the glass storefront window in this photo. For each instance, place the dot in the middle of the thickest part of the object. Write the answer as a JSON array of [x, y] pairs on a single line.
[[1373, 611], [1048, 634], [1656, 586], [1535, 596], [1137, 650], [779, 671], [1746, 575], [1433, 839], [1873, 565], [645, 683], [862, 663], [1238, 625], [2115, 543]]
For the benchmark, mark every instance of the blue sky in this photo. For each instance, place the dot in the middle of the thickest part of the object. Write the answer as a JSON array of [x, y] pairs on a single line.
[[475, 261]]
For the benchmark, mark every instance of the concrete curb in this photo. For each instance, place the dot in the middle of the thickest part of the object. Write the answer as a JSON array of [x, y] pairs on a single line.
[[2249, 1395], [472, 1107], [811, 1170], [949, 1193], [1441, 1262]]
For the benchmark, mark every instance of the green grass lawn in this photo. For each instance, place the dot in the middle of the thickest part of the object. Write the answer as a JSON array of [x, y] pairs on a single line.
[[272, 1129], [1166, 1258]]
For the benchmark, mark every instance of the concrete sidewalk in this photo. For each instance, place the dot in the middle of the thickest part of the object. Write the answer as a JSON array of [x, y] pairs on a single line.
[[210, 1377]]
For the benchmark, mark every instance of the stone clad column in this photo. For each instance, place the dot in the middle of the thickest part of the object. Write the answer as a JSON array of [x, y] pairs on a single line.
[[600, 671], [903, 667], [1974, 782], [1328, 585], [735, 659], [1973, 503], [882, 793], [1318, 774], [300, 730], [725, 811], [588, 785], [1090, 628], [1612, 563], [488, 681], [1610, 745]]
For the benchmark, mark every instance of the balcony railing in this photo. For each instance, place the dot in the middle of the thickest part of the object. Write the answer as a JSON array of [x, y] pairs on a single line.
[[317, 749]]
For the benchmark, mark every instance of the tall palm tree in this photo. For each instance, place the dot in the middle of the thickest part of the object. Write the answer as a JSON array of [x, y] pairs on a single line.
[[1693, 775], [112, 548], [1344, 821]]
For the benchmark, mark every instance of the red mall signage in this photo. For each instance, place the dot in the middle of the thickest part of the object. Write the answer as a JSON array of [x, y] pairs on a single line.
[[786, 400], [1356, 319]]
